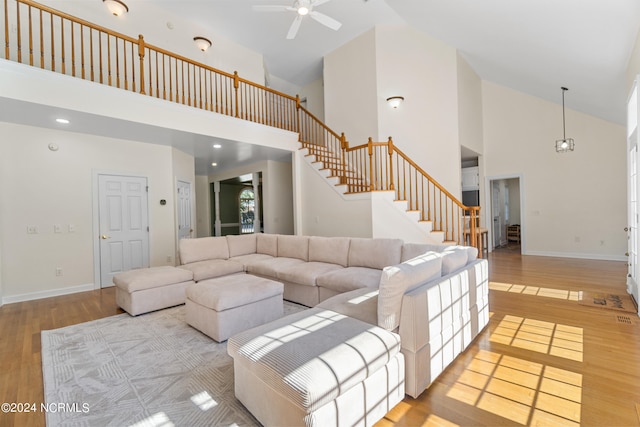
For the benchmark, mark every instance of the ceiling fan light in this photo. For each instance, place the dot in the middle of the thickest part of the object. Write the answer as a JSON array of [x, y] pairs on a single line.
[[303, 10], [116, 7]]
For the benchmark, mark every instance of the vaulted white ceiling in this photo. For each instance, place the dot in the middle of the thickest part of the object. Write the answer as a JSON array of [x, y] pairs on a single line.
[[534, 46]]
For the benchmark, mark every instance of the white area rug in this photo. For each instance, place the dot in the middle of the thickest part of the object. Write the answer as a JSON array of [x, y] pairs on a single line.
[[149, 370]]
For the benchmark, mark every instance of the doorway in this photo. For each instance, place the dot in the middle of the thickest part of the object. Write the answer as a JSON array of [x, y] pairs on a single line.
[[123, 226], [506, 225]]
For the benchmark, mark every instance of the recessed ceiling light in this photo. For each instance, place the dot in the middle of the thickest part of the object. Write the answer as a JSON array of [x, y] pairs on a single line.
[[217, 146], [63, 121], [214, 164]]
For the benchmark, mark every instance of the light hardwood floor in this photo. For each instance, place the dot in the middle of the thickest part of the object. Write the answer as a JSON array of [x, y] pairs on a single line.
[[542, 360]]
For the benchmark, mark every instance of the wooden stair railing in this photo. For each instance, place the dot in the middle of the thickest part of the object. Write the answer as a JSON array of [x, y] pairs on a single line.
[[62, 43]]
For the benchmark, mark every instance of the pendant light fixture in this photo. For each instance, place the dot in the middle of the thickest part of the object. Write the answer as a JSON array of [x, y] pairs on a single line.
[[565, 144]]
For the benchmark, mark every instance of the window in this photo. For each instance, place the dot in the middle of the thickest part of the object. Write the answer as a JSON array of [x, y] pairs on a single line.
[[247, 209]]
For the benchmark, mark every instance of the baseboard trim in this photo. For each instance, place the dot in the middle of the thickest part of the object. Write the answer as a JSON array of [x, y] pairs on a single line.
[[601, 257], [47, 294]]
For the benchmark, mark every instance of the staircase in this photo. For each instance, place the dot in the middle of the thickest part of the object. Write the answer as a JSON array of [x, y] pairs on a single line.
[[53, 40]]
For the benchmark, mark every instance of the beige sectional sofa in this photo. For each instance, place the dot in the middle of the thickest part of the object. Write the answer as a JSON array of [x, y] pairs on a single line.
[[432, 299], [434, 296], [312, 268]]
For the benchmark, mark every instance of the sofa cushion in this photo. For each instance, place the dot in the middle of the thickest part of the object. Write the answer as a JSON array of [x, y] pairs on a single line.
[[267, 244], [272, 267], [396, 280], [332, 250], [243, 244], [203, 248], [224, 293], [453, 259], [374, 253], [361, 304], [350, 278], [307, 272], [213, 268], [248, 259], [314, 356], [147, 278], [293, 247], [412, 250], [471, 251]]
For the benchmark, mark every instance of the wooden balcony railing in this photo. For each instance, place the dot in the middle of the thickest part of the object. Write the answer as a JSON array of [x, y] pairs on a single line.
[[43, 37]]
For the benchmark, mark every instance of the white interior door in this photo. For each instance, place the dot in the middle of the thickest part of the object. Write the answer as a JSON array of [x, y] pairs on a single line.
[[123, 225], [184, 210], [633, 195]]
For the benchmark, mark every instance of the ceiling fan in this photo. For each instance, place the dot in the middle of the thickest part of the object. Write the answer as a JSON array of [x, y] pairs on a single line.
[[302, 8]]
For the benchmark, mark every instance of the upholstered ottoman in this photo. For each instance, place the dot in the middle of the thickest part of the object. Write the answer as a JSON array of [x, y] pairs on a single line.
[[224, 306], [317, 368], [148, 289]]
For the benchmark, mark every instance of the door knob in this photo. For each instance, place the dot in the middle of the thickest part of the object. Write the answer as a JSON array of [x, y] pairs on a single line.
[[104, 237], [626, 229]]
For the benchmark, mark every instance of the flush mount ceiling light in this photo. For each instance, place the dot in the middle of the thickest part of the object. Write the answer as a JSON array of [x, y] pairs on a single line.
[[63, 121], [116, 7], [395, 101], [214, 164], [202, 43], [217, 146], [565, 144]]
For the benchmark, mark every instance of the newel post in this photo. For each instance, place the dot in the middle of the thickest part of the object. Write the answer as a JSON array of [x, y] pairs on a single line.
[[343, 148], [370, 150], [391, 186], [141, 55], [236, 85]]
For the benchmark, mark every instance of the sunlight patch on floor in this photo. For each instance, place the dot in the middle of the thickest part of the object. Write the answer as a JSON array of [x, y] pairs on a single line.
[[542, 337], [535, 290], [522, 391]]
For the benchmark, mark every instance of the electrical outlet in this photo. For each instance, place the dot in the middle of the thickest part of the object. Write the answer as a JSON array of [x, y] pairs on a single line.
[[58, 271], [169, 258]]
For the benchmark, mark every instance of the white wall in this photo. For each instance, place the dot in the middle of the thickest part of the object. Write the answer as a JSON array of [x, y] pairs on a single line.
[[323, 211], [469, 106], [575, 203], [314, 93], [277, 198], [425, 127], [39, 187], [350, 89]]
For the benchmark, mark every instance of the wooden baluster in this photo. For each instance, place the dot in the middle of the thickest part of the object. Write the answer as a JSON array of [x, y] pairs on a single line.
[[150, 73], [53, 48], [73, 51], [100, 56], [62, 45], [157, 74], [109, 60], [117, 63], [370, 151], [31, 39], [6, 31], [91, 54], [82, 51], [19, 33], [141, 54], [391, 183]]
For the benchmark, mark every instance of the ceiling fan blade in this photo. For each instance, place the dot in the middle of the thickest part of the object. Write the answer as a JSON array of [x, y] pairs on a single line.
[[318, 2], [271, 8], [325, 20], [295, 26]]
